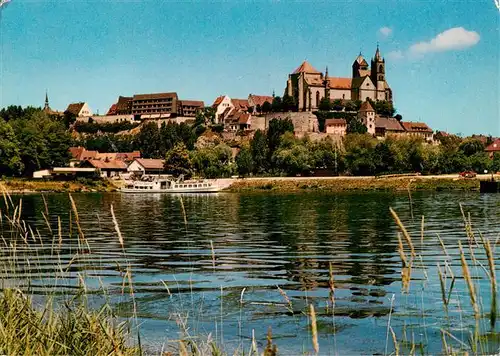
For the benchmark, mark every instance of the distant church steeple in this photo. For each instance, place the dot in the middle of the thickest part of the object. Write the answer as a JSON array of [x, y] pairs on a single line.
[[46, 107]]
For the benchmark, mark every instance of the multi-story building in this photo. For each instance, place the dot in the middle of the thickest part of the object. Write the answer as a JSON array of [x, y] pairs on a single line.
[[155, 105], [190, 108]]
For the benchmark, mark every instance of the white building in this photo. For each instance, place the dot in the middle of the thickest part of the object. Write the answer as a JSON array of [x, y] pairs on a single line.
[[80, 109]]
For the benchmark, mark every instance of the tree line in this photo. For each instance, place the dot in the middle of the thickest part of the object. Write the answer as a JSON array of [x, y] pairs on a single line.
[[31, 140]]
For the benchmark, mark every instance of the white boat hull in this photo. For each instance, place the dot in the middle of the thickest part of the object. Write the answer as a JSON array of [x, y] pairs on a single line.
[[172, 190]]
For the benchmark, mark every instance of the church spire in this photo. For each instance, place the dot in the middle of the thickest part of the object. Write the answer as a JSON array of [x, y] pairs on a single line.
[[377, 54], [46, 107], [326, 73]]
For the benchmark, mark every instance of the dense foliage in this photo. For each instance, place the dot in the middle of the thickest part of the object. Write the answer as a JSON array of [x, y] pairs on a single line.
[[93, 127], [31, 140]]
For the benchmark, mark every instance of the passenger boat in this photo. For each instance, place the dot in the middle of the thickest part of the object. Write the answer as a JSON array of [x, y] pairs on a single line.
[[162, 185]]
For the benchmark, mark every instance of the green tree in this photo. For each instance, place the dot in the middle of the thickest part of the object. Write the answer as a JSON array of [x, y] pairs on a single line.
[[383, 158], [325, 104], [10, 157], [350, 106], [276, 129], [148, 141], [288, 103], [359, 151], [471, 146], [495, 163], [258, 148], [244, 161], [213, 162], [337, 105], [44, 142], [293, 160], [177, 161], [479, 162], [277, 105], [354, 125], [187, 134], [266, 107], [169, 136]]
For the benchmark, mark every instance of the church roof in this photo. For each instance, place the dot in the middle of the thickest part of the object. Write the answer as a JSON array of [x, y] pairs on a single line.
[[361, 60], [339, 83], [305, 67], [366, 106], [357, 82]]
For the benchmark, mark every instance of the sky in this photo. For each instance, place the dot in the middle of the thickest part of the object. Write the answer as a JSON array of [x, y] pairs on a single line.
[[442, 56]]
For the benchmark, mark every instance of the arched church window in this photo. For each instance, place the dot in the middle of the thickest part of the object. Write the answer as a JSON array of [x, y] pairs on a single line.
[[381, 68], [317, 98]]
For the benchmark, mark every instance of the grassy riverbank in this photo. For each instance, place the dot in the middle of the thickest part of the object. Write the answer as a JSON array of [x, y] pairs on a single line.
[[20, 186], [338, 184]]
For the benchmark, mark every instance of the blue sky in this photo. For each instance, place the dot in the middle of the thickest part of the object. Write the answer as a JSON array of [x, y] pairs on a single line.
[[443, 57]]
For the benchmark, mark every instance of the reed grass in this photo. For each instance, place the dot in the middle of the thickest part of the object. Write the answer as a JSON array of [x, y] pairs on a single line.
[[74, 328]]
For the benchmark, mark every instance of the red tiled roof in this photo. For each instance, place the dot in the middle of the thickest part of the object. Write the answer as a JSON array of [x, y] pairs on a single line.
[[388, 123], [81, 154], [154, 96], [112, 110], [87, 155], [196, 103], [218, 100], [261, 99], [305, 67], [240, 104], [128, 156], [75, 108], [151, 163], [494, 146], [366, 106], [416, 127], [108, 164], [339, 83], [329, 122], [124, 104], [76, 152], [239, 118]]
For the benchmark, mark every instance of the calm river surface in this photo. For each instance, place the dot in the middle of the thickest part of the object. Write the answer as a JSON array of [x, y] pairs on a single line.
[[261, 241]]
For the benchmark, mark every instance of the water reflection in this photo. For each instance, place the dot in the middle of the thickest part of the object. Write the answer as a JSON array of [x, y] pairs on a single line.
[[259, 241]]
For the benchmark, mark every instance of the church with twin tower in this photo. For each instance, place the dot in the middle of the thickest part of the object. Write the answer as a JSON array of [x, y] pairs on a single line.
[[308, 85]]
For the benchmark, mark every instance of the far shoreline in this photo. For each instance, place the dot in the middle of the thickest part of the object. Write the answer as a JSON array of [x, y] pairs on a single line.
[[450, 182]]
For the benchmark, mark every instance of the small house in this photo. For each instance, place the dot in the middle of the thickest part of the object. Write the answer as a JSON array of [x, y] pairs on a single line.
[[142, 166]]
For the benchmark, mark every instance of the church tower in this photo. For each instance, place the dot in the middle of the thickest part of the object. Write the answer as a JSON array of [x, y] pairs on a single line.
[[360, 67], [378, 74], [46, 108], [326, 83]]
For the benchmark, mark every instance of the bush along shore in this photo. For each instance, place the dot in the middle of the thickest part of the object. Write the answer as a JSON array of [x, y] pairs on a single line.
[[339, 184], [22, 186]]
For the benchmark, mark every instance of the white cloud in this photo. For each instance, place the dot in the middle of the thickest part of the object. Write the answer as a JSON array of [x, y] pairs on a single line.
[[453, 39], [395, 55], [385, 31]]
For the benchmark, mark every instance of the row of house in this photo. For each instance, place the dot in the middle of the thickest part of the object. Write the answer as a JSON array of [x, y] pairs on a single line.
[[108, 165]]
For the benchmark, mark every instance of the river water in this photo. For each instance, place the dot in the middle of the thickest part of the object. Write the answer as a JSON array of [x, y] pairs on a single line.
[[212, 264]]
